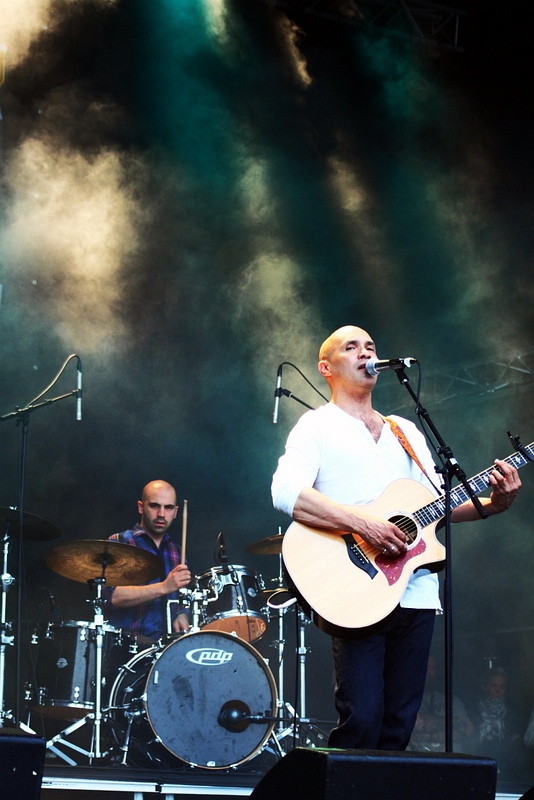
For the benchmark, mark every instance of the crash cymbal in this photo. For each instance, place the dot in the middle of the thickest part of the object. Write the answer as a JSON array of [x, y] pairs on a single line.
[[120, 564], [272, 545], [34, 529]]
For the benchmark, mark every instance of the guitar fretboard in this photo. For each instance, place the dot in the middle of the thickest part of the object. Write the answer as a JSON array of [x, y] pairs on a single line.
[[436, 509]]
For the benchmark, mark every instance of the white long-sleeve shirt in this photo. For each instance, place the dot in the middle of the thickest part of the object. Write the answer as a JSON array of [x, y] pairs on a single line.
[[334, 453]]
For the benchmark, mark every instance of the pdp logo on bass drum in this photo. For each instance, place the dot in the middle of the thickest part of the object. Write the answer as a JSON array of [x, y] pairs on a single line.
[[211, 656]]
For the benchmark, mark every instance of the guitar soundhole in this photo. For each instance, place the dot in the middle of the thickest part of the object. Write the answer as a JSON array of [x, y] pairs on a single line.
[[407, 525]]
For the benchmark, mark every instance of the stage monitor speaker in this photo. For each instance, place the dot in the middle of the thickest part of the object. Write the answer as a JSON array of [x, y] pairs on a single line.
[[321, 774], [21, 766]]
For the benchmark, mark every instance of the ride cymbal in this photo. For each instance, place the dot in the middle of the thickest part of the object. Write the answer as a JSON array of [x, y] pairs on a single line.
[[120, 564]]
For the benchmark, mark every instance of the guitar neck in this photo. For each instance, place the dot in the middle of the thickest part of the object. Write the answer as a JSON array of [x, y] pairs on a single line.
[[436, 509]]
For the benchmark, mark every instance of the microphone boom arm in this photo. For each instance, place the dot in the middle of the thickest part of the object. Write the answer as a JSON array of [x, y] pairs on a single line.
[[287, 393]]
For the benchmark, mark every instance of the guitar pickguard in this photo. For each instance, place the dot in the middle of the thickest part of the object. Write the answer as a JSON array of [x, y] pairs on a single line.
[[392, 569]]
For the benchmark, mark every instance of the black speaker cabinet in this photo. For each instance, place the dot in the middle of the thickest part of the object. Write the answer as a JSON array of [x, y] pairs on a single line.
[[321, 774], [21, 766]]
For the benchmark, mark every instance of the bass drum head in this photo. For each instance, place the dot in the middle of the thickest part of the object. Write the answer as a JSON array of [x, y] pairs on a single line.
[[196, 692]]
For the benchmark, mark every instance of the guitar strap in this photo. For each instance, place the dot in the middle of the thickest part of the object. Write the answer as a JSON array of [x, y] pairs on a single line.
[[403, 439]]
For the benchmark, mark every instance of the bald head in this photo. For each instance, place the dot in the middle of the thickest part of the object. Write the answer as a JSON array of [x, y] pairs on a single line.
[[157, 486], [342, 359], [336, 339], [158, 508]]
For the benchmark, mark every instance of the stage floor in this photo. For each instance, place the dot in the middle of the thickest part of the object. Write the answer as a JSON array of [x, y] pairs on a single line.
[[180, 779], [111, 784], [116, 782], [153, 773]]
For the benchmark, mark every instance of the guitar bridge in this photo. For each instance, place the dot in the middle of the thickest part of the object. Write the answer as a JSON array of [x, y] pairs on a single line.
[[358, 557]]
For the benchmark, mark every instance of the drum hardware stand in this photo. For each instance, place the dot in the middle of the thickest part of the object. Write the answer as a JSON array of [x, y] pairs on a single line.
[[286, 730], [280, 644], [125, 746], [283, 729], [5, 627], [297, 721], [98, 622], [194, 599], [303, 721]]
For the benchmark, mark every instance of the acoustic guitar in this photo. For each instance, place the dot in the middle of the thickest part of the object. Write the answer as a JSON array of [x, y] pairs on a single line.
[[343, 582]]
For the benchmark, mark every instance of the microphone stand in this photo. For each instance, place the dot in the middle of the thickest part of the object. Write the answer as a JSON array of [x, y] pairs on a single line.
[[22, 416], [286, 393], [449, 469], [281, 392]]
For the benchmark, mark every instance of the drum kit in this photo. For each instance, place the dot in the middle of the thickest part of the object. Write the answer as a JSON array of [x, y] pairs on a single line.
[[206, 698]]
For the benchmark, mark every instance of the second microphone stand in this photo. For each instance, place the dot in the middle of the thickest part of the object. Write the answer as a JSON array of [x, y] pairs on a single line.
[[22, 418], [449, 469]]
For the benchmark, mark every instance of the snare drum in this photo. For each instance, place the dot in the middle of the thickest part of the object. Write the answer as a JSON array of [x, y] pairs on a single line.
[[65, 666], [235, 602]]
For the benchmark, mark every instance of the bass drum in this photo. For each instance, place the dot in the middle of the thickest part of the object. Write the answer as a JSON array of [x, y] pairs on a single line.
[[195, 694]]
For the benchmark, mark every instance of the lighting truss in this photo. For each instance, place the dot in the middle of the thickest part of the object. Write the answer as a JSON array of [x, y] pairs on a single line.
[[481, 378], [432, 24]]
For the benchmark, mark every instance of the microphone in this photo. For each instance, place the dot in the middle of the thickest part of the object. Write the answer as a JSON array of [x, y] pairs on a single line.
[[79, 391], [376, 365], [235, 716], [54, 609], [233, 719], [277, 393], [222, 558]]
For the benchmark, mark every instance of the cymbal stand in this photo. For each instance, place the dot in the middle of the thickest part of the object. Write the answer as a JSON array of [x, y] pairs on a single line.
[[299, 720], [302, 652], [99, 623], [304, 722], [282, 729], [303, 729], [5, 627]]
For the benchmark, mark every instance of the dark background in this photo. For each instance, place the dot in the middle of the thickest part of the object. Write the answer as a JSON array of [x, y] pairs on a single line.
[[194, 192]]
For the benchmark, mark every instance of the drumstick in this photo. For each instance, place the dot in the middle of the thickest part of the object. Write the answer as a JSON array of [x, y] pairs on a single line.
[[184, 530]]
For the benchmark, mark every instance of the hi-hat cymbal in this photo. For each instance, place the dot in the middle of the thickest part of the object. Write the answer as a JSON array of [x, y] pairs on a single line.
[[34, 529], [120, 564], [272, 545]]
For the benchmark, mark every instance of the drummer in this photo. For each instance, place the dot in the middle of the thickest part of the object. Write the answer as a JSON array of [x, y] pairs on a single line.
[[142, 610]]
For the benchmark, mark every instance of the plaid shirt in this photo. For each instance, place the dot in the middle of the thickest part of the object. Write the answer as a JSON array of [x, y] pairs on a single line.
[[148, 619]]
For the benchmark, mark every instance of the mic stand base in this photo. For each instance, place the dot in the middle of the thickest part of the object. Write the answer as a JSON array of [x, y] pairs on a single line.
[[305, 731]]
